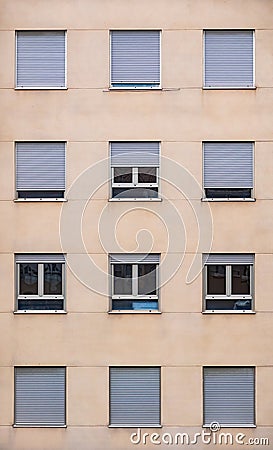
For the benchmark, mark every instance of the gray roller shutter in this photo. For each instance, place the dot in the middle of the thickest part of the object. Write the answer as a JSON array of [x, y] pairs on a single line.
[[40, 166], [40, 258], [228, 165], [135, 154], [135, 57], [229, 58], [40, 59], [135, 396], [40, 396], [229, 395], [134, 258], [231, 258]]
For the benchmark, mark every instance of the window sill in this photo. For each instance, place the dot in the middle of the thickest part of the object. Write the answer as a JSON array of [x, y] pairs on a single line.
[[45, 88], [135, 426], [39, 426], [40, 311], [135, 199], [235, 88], [133, 89], [135, 311], [228, 199], [232, 426], [44, 199], [228, 311]]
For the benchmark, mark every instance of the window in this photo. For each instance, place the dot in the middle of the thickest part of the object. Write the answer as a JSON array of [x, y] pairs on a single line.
[[40, 282], [40, 396], [40, 170], [228, 170], [229, 61], [134, 281], [229, 396], [228, 282], [135, 396], [135, 59], [40, 59], [135, 167]]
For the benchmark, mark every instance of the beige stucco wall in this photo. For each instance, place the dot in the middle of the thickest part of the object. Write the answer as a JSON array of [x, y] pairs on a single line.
[[87, 340]]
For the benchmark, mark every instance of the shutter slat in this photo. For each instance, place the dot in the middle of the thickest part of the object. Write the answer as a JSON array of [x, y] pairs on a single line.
[[231, 258], [135, 154], [134, 258], [229, 58], [40, 258], [229, 395], [40, 396], [135, 395], [228, 165], [135, 57], [40, 166], [40, 58]]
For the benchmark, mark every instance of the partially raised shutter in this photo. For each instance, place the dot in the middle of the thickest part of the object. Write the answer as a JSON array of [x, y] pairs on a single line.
[[40, 258], [228, 165], [229, 58], [135, 57], [228, 258], [135, 154], [134, 258], [229, 394], [40, 59], [40, 166], [40, 396], [135, 396]]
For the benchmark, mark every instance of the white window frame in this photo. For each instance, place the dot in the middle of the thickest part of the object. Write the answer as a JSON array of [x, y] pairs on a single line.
[[40, 295], [253, 68], [228, 295], [135, 86], [52, 88], [135, 295], [135, 183]]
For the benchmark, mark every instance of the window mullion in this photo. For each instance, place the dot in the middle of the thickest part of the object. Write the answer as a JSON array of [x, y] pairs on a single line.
[[228, 280], [40, 279], [135, 175], [135, 279]]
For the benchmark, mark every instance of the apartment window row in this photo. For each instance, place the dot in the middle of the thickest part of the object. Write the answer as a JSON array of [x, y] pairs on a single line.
[[228, 282], [135, 396], [228, 170], [135, 59]]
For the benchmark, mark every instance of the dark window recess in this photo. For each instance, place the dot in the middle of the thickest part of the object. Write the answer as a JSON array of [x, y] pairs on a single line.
[[240, 280], [50, 304], [147, 175], [228, 193], [228, 304], [40, 194], [146, 279], [122, 279], [134, 304], [123, 175], [216, 279], [28, 279], [135, 192]]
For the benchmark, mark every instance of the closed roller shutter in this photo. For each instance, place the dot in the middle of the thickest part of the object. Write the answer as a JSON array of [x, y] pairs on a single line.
[[40, 258], [229, 58], [231, 258], [134, 258], [40, 59], [135, 154], [40, 396], [229, 394], [228, 165], [135, 396], [135, 57], [40, 166]]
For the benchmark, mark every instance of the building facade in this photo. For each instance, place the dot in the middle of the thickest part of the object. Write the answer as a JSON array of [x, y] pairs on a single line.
[[136, 252]]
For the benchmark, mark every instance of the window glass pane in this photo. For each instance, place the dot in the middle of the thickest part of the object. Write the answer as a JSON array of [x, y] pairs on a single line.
[[40, 304], [228, 305], [40, 194], [228, 193], [216, 280], [134, 305], [28, 279], [53, 279], [240, 280], [135, 193], [123, 175], [122, 279], [147, 279], [147, 174]]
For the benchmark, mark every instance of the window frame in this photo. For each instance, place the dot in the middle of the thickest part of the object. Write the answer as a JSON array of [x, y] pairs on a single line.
[[134, 184], [228, 296], [40, 295], [253, 87], [134, 295], [52, 88], [135, 86], [228, 199]]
